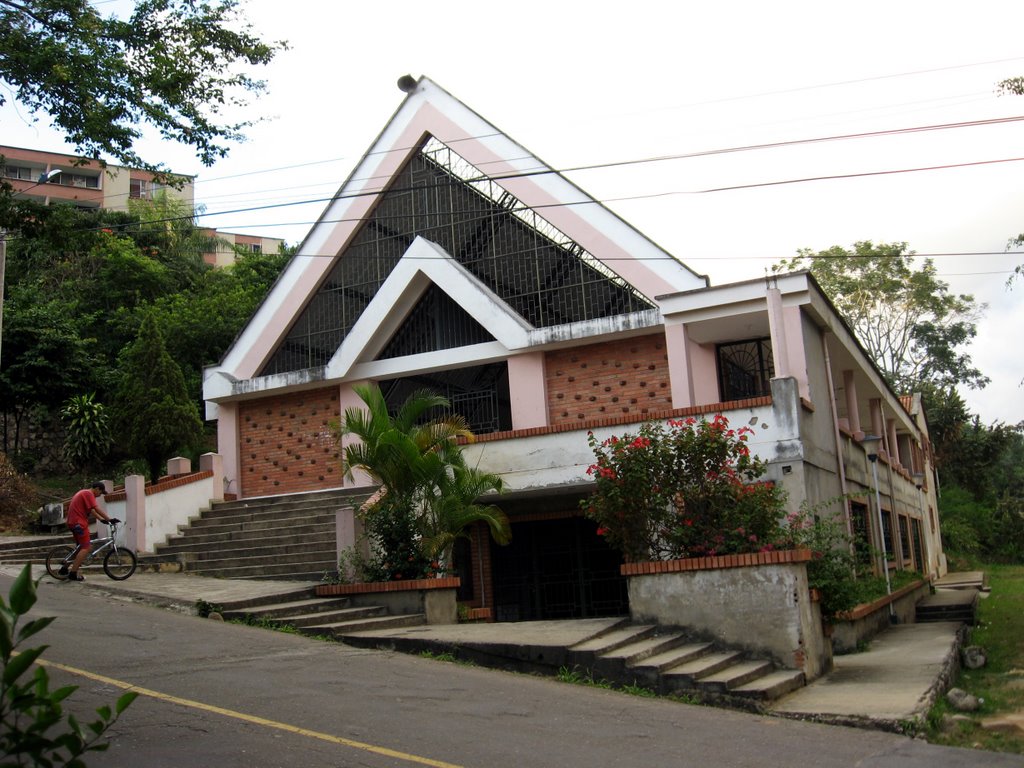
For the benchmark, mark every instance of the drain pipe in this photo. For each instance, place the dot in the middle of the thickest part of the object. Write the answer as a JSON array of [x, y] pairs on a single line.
[[480, 567]]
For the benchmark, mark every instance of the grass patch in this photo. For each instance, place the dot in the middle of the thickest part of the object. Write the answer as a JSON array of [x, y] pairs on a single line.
[[577, 676], [445, 656], [265, 622], [1000, 683]]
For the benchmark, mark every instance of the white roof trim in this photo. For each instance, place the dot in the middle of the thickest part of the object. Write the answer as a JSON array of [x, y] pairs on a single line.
[[424, 263]]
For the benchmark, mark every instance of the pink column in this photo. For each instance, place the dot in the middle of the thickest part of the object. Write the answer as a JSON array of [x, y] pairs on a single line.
[[228, 445], [528, 390], [894, 446], [878, 423], [777, 330], [214, 462], [677, 344], [852, 409], [135, 512]]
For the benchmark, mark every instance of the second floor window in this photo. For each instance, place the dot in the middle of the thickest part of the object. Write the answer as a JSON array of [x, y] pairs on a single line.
[[745, 369]]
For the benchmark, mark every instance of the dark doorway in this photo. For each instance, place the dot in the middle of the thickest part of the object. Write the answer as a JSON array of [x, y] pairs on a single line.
[[557, 569]]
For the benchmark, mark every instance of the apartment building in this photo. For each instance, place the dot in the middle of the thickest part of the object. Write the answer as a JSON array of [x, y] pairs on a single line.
[[53, 178]]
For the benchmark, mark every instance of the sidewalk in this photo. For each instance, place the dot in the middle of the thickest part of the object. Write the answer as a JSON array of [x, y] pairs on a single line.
[[896, 680]]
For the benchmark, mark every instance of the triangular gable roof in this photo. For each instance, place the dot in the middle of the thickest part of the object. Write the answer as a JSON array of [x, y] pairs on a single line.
[[430, 110], [423, 264]]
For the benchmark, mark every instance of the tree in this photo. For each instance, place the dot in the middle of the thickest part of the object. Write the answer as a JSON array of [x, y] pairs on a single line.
[[46, 358], [175, 65], [911, 326], [453, 507], [153, 413]]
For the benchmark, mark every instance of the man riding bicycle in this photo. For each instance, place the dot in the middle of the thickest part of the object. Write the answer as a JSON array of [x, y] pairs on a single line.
[[82, 508]]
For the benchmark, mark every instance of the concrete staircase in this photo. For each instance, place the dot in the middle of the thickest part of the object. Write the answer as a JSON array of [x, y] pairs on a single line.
[[671, 662], [311, 615], [30, 549], [662, 660], [281, 537], [948, 605]]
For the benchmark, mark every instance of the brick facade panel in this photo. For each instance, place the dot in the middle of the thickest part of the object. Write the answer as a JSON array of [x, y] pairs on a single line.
[[616, 378], [286, 444]]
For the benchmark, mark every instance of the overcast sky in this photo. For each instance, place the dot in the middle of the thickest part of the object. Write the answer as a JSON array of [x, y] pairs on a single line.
[[592, 83]]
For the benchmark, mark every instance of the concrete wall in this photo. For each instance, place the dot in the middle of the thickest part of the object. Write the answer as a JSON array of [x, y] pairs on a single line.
[[726, 603], [561, 458]]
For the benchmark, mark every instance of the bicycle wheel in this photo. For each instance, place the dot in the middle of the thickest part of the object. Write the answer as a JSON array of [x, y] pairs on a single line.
[[57, 557], [119, 564]]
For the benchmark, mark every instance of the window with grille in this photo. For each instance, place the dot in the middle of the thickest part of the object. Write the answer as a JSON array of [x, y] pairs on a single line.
[[542, 274], [905, 553], [861, 533], [890, 553], [479, 394], [435, 323], [918, 550], [745, 369]]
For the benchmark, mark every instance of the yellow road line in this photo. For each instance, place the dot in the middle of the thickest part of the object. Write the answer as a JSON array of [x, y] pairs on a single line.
[[250, 718]]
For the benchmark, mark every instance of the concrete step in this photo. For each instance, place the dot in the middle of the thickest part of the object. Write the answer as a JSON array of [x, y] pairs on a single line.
[[208, 519], [623, 663], [273, 551], [316, 618], [299, 595], [348, 630], [197, 550], [687, 674], [334, 499], [610, 641], [735, 675], [292, 607], [199, 527], [681, 654], [190, 538], [307, 570], [771, 686], [18, 545]]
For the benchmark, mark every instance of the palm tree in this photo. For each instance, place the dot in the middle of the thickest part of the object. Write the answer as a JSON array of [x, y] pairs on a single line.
[[428, 494], [456, 506]]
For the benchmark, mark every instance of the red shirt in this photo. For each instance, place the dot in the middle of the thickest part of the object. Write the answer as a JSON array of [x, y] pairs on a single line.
[[82, 503]]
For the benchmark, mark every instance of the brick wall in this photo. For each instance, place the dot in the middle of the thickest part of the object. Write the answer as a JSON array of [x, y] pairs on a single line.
[[616, 378], [286, 444]]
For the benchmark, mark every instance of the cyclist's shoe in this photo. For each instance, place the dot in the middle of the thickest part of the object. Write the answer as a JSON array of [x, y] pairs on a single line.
[[72, 576], [63, 570]]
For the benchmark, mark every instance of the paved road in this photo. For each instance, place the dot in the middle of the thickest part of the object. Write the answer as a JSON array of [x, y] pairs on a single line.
[[227, 695]]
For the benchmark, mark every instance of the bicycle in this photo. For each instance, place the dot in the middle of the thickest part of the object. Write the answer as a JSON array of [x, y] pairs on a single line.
[[118, 563]]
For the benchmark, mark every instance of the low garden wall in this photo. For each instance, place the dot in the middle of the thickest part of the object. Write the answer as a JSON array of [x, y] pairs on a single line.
[[434, 598], [758, 602], [852, 628]]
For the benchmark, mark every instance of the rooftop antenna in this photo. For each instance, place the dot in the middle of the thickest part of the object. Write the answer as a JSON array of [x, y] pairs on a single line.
[[407, 83]]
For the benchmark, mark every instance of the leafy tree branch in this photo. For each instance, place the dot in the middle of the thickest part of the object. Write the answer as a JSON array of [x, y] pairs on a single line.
[[175, 65]]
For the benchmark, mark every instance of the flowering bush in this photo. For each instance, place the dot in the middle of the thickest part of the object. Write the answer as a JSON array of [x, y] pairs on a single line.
[[682, 489]]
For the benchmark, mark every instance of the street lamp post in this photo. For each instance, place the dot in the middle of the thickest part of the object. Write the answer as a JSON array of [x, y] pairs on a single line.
[[43, 178], [870, 443]]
